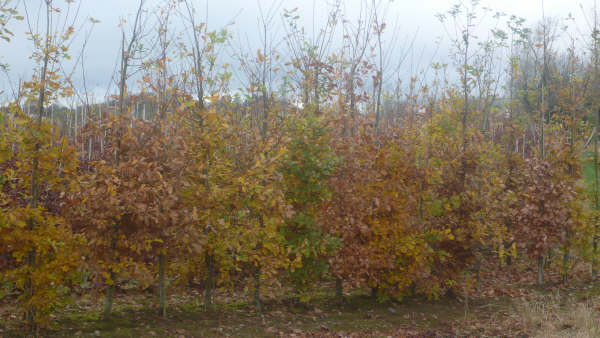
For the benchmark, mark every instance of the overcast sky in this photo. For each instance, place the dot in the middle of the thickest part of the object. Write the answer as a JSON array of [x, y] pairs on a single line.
[[410, 16]]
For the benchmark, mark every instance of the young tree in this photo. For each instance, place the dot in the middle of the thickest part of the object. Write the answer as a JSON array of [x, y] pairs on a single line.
[[261, 72], [208, 80], [306, 167], [105, 190], [36, 172]]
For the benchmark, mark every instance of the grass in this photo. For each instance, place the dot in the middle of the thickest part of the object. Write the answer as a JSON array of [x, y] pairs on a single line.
[[135, 316], [497, 307], [557, 316]]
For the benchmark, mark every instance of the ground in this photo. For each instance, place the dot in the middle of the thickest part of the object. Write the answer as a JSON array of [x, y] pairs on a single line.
[[504, 304]]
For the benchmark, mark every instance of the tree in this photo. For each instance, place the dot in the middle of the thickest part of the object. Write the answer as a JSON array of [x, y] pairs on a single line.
[[306, 167], [37, 170], [109, 181], [545, 209]]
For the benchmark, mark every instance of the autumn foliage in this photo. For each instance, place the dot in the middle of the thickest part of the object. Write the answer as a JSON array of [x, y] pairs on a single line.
[[315, 183]]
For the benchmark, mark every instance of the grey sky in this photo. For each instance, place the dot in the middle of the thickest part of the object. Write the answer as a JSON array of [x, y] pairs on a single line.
[[409, 15]]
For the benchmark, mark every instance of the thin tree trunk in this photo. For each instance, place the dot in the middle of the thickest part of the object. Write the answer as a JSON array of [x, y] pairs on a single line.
[[208, 291], [30, 315], [378, 102], [257, 302], [596, 141], [540, 276], [110, 292], [567, 253], [566, 259], [317, 98], [595, 260], [162, 292], [110, 295], [596, 200], [374, 291], [465, 112], [339, 289]]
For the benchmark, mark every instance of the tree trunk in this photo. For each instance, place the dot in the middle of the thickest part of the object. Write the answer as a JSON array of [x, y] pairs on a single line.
[[339, 289], [374, 291], [477, 269], [162, 292], [596, 200], [566, 258], [595, 260], [317, 98], [257, 302], [540, 276], [110, 295], [30, 315], [208, 291]]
